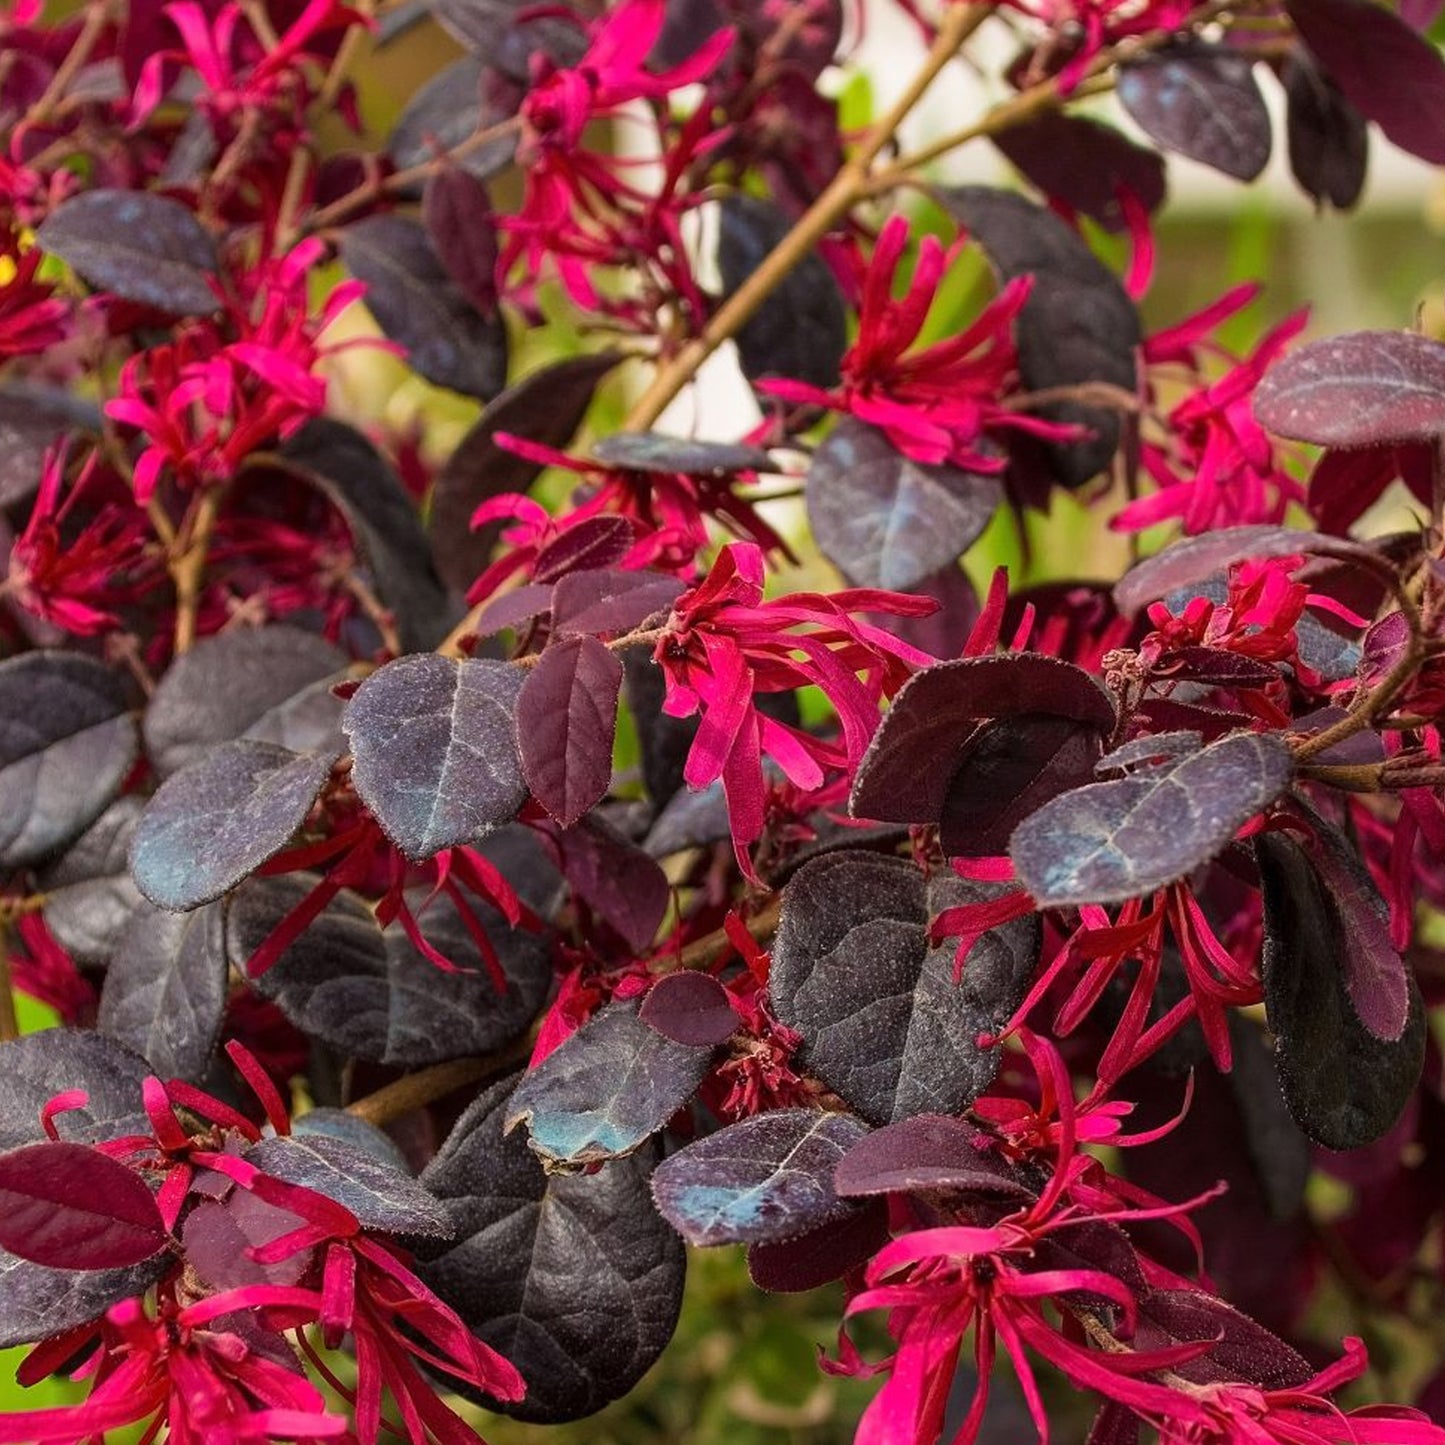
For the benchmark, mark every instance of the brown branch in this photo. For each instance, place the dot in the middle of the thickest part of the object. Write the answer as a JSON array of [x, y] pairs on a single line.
[[703, 951], [9, 1024], [188, 566], [415, 1091]]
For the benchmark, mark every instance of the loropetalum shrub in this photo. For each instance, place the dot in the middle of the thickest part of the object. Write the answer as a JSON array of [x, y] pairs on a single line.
[[1016, 960]]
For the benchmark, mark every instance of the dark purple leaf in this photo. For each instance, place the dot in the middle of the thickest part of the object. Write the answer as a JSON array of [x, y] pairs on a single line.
[[373, 995], [883, 1022], [139, 245], [1344, 1086], [1361, 389], [616, 879], [493, 26], [457, 214], [308, 722], [606, 1090], [689, 820], [801, 330], [416, 303], [1078, 325], [1390, 74], [378, 1194], [89, 893], [1007, 770], [905, 774], [1329, 143], [654, 452], [214, 823], [37, 1067], [1115, 1424], [885, 520], [566, 722], [1215, 667], [434, 749], [1245, 1350], [690, 1008], [66, 744], [1195, 560], [1084, 164], [37, 1302], [1278, 1153], [575, 1278], [603, 600], [165, 990], [1110, 841], [227, 686], [450, 108], [341, 463], [546, 406], [512, 609], [927, 1152], [1153, 748], [662, 740], [821, 1255], [759, 1181], [1203, 102], [592, 543], [32, 420], [68, 1206]]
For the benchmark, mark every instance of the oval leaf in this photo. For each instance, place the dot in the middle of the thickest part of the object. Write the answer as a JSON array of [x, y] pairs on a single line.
[[928, 1152], [1362, 389], [66, 744], [37, 1067], [37, 1302], [532, 1246], [885, 520], [605, 1090], [141, 246], [759, 1181], [1329, 142], [457, 214], [603, 600], [566, 722], [68, 1206], [434, 749], [89, 893], [1201, 101], [1107, 842], [416, 303], [882, 1019], [690, 1008], [215, 822], [654, 452]]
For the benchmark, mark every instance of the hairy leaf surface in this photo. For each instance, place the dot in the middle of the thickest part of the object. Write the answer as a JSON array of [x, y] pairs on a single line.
[[690, 1008], [36, 1067], [89, 893]]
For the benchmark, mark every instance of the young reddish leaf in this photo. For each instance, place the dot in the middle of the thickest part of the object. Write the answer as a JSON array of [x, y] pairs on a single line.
[[886, 521], [592, 543], [1329, 142], [66, 744], [89, 893], [926, 1153], [68, 1206], [434, 749], [218, 820], [654, 452], [690, 1008], [1125, 838], [606, 1090], [546, 406], [602, 600], [165, 990], [801, 330], [1362, 389], [821, 1255], [139, 245], [229, 684], [566, 722], [1344, 1086], [616, 878], [1243, 1349], [512, 609], [883, 1021], [372, 994], [1203, 102], [457, 214], [532, 1246], [416, 303], [1393, 76], [1084, 164], [1078, 325], [759, 1181], [905, 775]]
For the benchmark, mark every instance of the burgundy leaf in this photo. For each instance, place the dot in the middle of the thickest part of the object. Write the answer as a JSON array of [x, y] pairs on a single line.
[[1107, 842], [1153, 748], [595, 542], [1389, 73], [604, 600], [566, 721], [522, 604], [905, 775], [457, 214], [690, 1007], [70, 1207], [616, 879], [927, 1152], [1203, 102], [1244, 1349], [1362, 389], [1216, 667], [822, 1254]]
